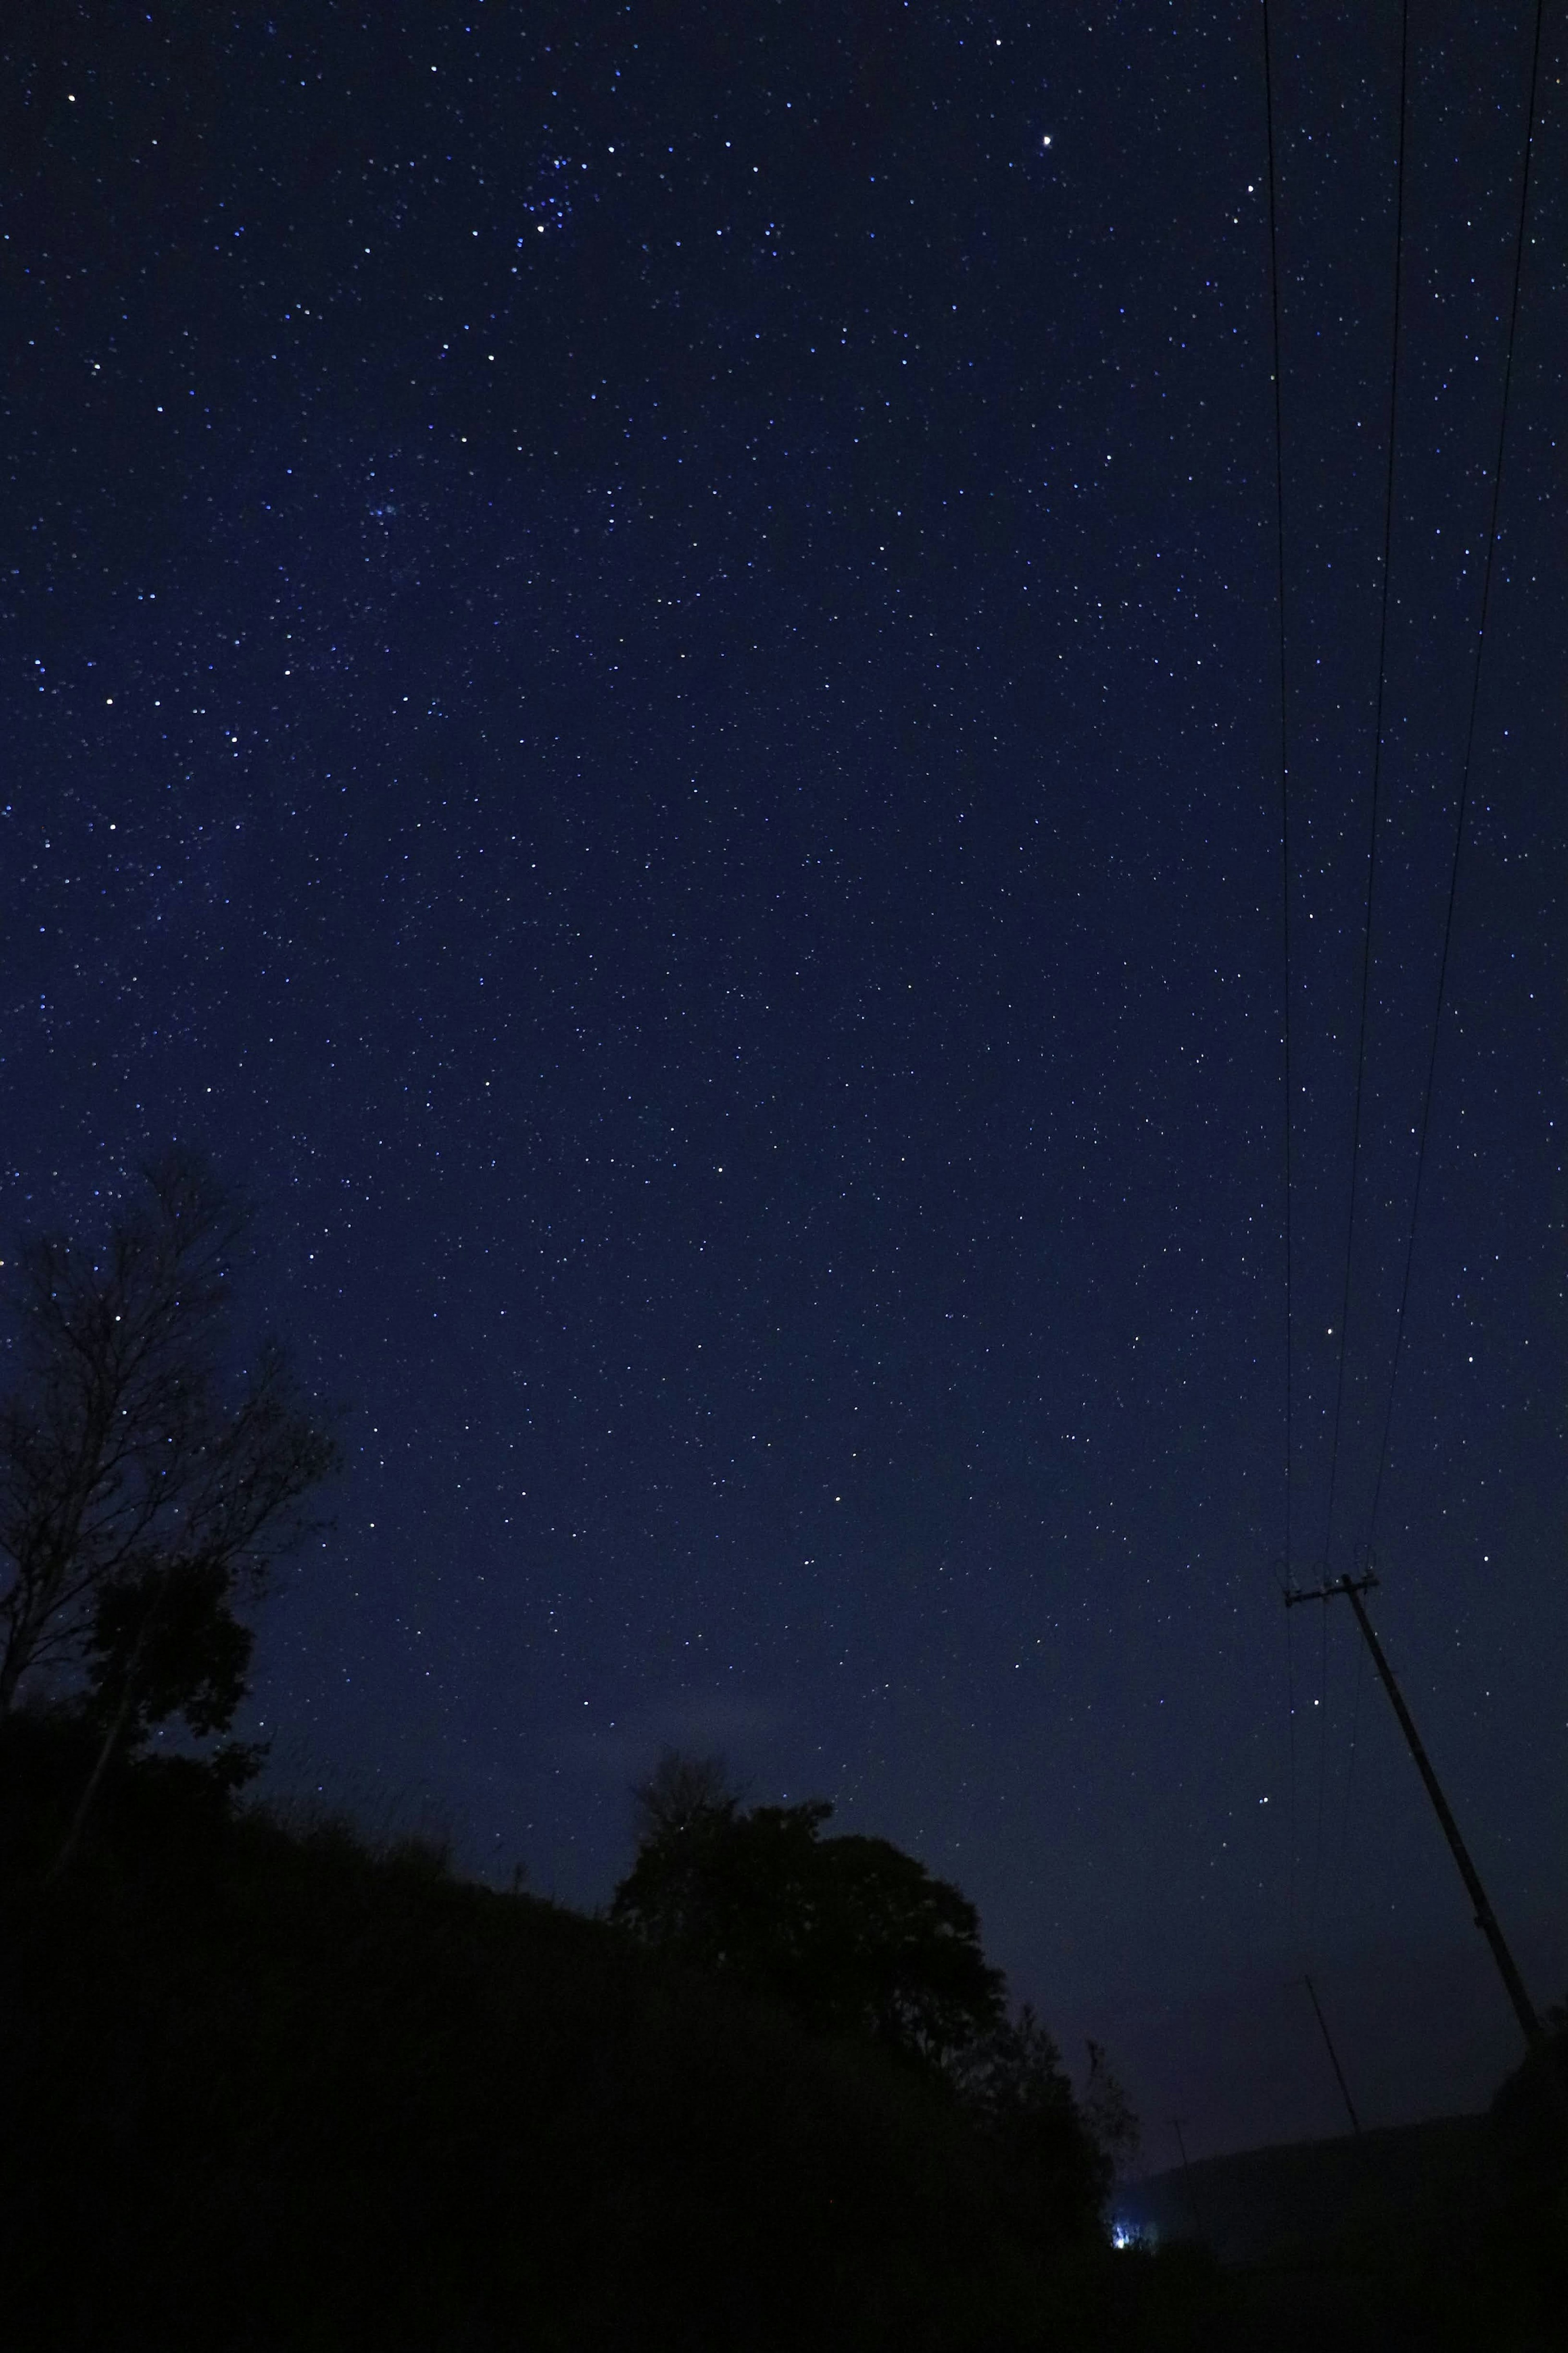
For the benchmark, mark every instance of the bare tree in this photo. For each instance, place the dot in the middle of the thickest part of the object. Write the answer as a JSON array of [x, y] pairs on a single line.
[[140, 1494], [682, 1791], [1109, 2114]]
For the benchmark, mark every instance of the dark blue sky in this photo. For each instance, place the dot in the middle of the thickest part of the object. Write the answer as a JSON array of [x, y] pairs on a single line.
[[641, 682]]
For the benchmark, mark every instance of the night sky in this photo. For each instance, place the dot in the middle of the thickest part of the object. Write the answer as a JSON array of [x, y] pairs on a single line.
[[642, 684]]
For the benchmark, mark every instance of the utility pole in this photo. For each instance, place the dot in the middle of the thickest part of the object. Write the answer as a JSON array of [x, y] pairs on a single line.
[[1333, 2055], [1188, 2176], [1486, 1918]]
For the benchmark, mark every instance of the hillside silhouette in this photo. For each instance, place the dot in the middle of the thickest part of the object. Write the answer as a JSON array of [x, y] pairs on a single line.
[[274, 2089]]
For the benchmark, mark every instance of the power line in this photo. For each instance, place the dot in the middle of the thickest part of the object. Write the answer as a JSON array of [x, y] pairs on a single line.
[[1376, 772], [1322, 1783], [1290, 1723], [1462, 810], [1284, 772], [1350, 1761]]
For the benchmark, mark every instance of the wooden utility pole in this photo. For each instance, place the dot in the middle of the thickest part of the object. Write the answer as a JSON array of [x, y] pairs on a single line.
[[1333, 2055], [1188, 2178], [1353, 1588]]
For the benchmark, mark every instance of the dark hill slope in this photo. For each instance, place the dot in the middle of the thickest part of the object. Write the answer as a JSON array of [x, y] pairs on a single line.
[[273, 2092], [1264, 2203]]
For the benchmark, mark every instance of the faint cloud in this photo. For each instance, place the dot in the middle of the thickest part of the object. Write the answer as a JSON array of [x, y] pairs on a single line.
[[703, 1722]]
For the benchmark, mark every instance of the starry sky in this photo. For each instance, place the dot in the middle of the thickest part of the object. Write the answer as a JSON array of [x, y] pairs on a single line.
[[641, 682]]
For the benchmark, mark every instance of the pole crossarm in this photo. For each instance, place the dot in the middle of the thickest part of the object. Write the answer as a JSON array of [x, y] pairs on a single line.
[[1295, 1593], [1353, 1587]]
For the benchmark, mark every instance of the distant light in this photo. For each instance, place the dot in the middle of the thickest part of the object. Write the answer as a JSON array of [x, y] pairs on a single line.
[[1046, 140]]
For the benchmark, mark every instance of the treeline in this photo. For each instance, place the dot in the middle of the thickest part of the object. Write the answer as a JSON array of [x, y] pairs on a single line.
[[271, 2090]]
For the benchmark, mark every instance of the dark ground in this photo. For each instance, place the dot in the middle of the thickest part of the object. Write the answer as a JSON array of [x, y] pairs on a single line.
[[272, 2090], [1421, 2235]]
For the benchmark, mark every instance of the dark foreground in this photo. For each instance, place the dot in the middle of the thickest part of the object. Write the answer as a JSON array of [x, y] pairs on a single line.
[[1437, 2233], [272, 2093], [268, 2091]]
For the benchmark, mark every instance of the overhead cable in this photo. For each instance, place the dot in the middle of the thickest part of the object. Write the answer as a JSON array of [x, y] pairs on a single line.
[[1284, 777], [1462, 808], [1366, 926]]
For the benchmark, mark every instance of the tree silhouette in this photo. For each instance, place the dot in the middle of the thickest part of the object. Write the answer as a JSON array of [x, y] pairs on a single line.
[[852, 1935], [142, 1496], [678, 1791], [1012, 2081]]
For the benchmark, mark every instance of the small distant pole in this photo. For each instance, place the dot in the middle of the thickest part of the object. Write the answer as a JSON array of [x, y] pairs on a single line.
[[1353, 1587], [1188, 2176], [1333, 2055]]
